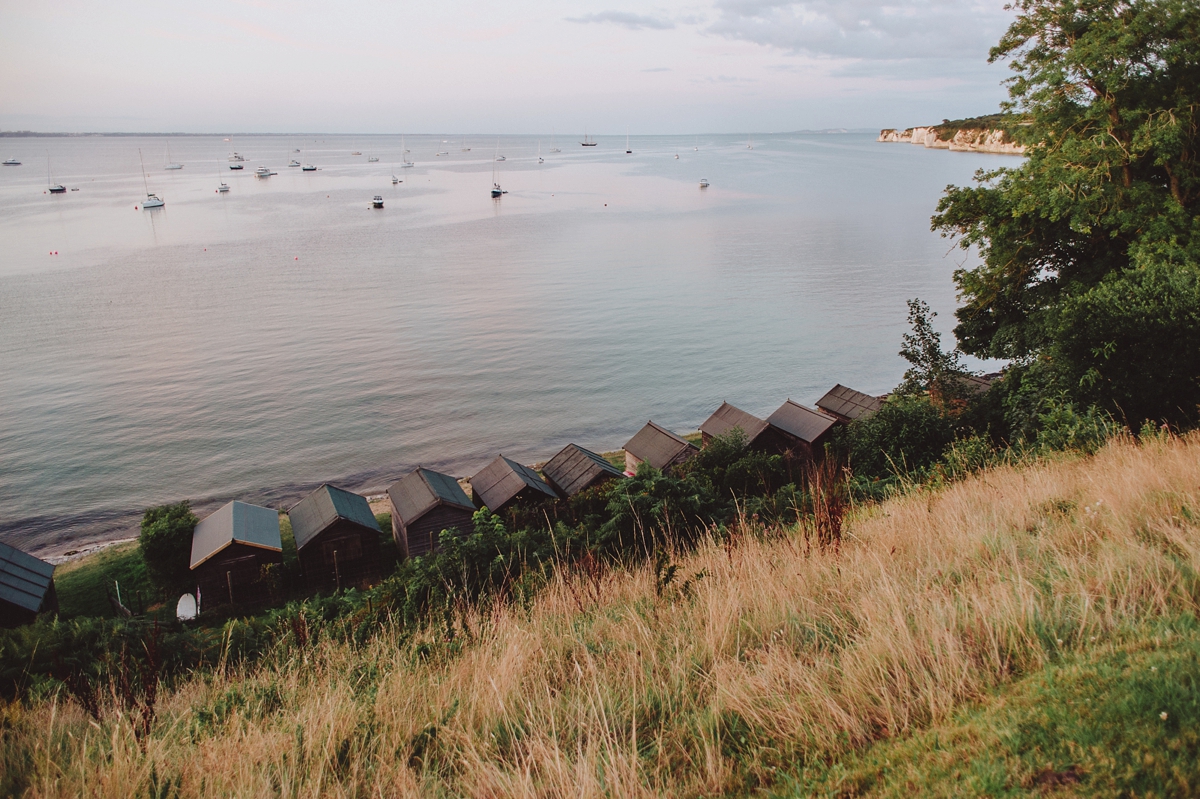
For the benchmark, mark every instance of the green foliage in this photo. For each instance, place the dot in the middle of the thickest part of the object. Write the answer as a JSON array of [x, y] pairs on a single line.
[[908, 433], [1062, 428], [931, 369], [1132, 344], [1111, 92], [83, 587], [166, 545]]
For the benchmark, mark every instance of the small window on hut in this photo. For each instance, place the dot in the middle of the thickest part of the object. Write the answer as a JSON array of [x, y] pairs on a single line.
[[347, 549]]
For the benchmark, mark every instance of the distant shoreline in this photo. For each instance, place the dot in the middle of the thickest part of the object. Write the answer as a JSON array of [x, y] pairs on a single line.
[[34, 134]]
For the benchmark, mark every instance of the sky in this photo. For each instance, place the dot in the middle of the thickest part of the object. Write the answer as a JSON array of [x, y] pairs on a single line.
[[521, 66]]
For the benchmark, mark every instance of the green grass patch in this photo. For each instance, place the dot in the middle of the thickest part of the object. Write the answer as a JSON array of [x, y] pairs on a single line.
[[83, 585], [1116, 719]]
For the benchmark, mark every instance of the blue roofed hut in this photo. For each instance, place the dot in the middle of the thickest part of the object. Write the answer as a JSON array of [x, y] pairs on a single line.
[[658, 447], [337, 539], [424, 503], [504, 483], [26, 587], [230, 547], [575, 469], [728, 418]]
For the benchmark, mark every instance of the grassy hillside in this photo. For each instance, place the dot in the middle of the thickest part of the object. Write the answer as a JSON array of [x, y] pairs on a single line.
[[1024, 628]]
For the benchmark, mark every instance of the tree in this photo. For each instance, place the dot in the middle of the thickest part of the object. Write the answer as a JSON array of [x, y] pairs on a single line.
[[166, 544], [1108, 93], [932, 370]]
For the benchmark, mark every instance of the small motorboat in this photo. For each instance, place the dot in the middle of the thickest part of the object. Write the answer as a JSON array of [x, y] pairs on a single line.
[[152, 201], [372, 160], [308, 168], [293, 163], [264, 172], [497, 191], [296, 151], [407, 165], [442, 153], [676, 156], [224, 187], [541, 160], [704, 183], [501, 158], [235, 156], [378, 201], [356, 152], [236, 166], [58, 188], [12, 162]]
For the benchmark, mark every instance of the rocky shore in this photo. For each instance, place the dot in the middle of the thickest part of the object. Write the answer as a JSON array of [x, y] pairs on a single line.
[[971, 140]]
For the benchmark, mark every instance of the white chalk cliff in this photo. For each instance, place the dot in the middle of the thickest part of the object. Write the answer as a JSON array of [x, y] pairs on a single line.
[[966, 140]]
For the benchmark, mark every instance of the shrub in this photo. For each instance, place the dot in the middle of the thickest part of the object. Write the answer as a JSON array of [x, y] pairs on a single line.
[[166, 545], [907, 433]]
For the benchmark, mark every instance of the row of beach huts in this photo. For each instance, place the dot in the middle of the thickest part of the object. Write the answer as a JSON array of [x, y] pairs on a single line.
[[338, 539]]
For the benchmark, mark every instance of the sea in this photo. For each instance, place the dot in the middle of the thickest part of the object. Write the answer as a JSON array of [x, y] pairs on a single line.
[[256, 343]]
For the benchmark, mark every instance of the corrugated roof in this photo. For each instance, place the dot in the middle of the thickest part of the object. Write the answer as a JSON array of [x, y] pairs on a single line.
[[656, 446], [420, 490], [24, 579], [237, 521], [325, 506], [727, 417], [575, 468], [501, 481], [843, 401], [803, 423]]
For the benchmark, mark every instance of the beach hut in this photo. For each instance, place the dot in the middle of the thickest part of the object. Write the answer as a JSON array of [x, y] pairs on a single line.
[[575, 469], [26, 587], [846, 404], [656, 446], [337, 539], [504, 482], [797, 432], [230, 547], [727, 418], [424, 503]]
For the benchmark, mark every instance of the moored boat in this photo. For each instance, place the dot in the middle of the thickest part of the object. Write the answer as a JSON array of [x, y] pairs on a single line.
[[12, 162], [378, 201]]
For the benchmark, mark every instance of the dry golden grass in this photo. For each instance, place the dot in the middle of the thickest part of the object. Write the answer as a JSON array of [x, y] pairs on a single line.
[[779, 654]]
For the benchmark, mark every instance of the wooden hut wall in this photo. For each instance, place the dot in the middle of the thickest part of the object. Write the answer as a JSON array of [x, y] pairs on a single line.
[[237, 567], [420, 536], [355, 564]]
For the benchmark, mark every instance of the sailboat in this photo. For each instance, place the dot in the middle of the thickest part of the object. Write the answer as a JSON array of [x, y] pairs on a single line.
[[308, 168], [55, 188], [586, 141], [152, 200], [171, 164], [463, 146], [404, 162], [540, 159], [553, 149], [750, 146], [627, 150], [223, 187], [497, 192]]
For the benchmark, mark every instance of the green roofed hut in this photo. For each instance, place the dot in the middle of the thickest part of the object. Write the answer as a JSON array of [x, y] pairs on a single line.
[[504, 483], [424, 503], [337, 539], [798, 432], [26, 587], [847, 405], [728, 418], [230, 547], [575, 469], [658, 447]]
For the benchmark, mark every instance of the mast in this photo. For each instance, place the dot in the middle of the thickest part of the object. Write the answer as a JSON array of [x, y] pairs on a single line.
[[145, 183]]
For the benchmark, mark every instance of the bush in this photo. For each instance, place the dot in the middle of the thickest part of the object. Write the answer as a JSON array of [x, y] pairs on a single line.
[[908, 433], [166, 545]]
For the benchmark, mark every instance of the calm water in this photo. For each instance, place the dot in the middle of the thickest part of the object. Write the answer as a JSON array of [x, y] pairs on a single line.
[[253, 344]]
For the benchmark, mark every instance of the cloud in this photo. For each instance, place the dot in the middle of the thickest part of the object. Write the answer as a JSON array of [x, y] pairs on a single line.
[[876, 30], [626, 20]]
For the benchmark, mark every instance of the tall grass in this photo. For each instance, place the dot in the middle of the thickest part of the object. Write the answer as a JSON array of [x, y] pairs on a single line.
[[753, 654]]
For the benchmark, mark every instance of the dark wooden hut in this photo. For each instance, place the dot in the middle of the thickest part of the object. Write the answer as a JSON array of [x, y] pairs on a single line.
[[658, 447], [424, 503], [230, 547], [26, 587], [727, 418], [576, 469], [337, 539], [797, 432], [846, 404], [504, 482]]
